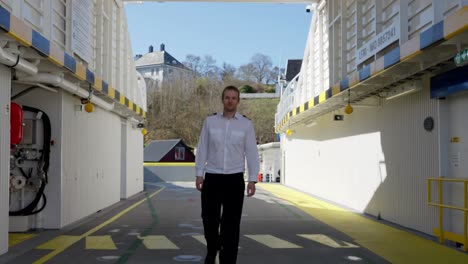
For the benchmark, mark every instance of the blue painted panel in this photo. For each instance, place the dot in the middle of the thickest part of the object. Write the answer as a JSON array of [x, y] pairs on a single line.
[[344, 84], [40, 43], [329, 93], [432, 35], [392, 57], [69, 62], [90, 76], [450, 82], [364, 73], [105, 87], [4, 19]]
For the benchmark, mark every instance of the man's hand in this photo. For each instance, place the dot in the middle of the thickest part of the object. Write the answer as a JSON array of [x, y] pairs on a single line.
[[199, 183], [250, 189]]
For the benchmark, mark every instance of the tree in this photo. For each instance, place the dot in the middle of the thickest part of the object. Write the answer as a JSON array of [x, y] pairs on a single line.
[[228, 72], [247, 89], [261, 66]]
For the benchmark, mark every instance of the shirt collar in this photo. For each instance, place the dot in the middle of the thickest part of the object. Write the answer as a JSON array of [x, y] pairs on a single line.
[[236, 116]]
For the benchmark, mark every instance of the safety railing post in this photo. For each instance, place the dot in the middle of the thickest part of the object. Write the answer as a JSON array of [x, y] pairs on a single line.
[[465, 219], [441, 213]]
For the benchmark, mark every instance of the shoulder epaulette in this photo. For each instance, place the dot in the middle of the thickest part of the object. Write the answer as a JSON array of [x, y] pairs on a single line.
[[213, 114], [246, 117]]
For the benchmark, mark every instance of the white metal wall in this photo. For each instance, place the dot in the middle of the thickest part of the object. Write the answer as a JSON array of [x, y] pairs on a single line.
[[340, 28], [5, 84], [134, 166], [90, 160], [375, 161], [109, 32], [51, 104]]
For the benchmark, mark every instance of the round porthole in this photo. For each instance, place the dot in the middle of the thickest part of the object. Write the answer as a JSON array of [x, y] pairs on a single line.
[[428, 123]]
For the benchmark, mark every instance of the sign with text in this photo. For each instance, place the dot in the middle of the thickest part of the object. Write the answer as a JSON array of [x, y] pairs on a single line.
[[81, 29], [378, 43]]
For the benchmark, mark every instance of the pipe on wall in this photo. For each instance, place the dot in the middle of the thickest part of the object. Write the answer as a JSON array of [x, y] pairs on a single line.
[[14, 61], [68, 86]]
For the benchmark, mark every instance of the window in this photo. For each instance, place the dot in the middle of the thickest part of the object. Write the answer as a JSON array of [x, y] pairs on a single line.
[[179, 153]]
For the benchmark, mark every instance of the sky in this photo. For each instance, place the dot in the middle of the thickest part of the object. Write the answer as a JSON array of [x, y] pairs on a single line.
[[229, 32]]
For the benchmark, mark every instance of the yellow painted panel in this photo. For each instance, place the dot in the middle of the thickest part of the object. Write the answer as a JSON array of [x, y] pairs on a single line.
[[410, 49], [158, 242], [138, 110], [336, 89], [20, 31], [98, 83], [322, 97], [377, 66], [353, 78], [144, 114], [302, 108], [311, 103], [456, 23], [130, 105], [17, 238], [100, 242], [111, 92], [80, 72], [272, 241], [60, 242], [392, 244], [57, 55], [122, 100], [328, 241]]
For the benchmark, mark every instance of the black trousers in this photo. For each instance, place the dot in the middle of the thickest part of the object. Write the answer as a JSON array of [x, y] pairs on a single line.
[[222, 200]]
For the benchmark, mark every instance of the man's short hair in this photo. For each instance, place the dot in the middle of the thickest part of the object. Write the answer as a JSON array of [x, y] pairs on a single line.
[[230, 88]]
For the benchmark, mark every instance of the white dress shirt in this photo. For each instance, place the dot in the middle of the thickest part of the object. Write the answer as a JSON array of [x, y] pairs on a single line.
[[225, 144]]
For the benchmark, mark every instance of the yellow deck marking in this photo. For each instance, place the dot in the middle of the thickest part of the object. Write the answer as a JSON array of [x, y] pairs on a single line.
[[272, 242], [328, 241], [100, 242], [60, 248], [394, 245], [16, 238], [200, 238], [158, 242], [60, 243]]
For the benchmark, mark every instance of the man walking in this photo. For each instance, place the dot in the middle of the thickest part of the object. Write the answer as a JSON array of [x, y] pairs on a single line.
[[227, 139]]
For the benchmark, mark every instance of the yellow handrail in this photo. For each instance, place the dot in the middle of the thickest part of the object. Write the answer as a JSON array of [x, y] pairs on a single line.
[[441, 205]]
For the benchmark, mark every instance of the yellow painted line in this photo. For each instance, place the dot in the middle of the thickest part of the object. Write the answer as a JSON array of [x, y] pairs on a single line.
[[328, 241], [272, 241], [100, 242], [59, 248], [17, 238], [169, 164], [60, 243], [394, 245], [158, 242], [200, 238]]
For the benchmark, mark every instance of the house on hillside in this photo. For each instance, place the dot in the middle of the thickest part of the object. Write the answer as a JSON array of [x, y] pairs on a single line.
[[158, 67], [169, 161], [173, 150]]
